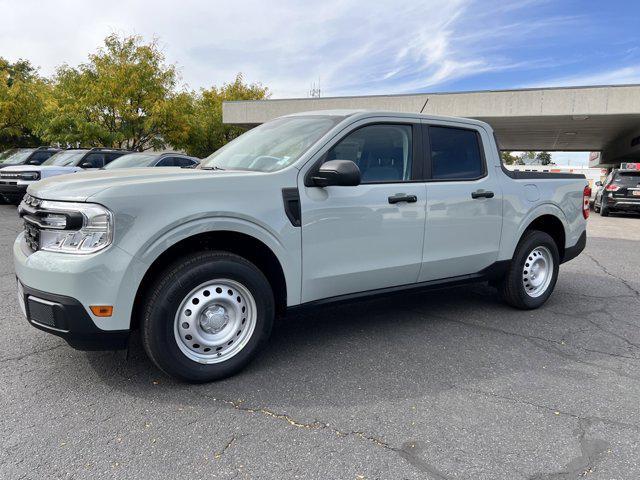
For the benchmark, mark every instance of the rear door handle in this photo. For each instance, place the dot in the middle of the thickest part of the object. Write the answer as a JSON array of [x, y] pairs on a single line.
[[482, 194], [402, 197]]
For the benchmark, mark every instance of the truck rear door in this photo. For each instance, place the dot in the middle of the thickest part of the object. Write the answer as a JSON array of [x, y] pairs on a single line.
[[464, 202]]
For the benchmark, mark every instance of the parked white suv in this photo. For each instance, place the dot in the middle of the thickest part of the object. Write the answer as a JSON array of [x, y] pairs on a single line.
[[14, 180], [303, 210]]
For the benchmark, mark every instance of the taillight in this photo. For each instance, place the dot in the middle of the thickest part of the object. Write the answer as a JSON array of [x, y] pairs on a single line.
[[586, 195], [612, 188]]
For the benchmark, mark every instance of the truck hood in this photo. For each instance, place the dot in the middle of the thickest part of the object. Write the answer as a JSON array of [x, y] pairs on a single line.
[[83, 185], [40, 168]]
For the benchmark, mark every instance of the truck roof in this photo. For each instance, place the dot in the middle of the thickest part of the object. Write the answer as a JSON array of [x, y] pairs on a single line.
[[362, 113]]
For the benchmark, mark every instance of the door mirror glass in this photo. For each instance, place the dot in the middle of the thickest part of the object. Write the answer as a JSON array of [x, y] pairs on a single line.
[[344, 173]]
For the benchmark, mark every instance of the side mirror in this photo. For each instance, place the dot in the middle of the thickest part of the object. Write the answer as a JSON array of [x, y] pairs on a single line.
[[598, 183], [87, 165], [344, 173]]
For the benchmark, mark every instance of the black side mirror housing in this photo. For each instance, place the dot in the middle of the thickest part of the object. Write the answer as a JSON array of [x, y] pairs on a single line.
[[343, 173]]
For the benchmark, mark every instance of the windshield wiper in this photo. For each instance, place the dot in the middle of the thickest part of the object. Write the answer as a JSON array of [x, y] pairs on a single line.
[[214, 167]]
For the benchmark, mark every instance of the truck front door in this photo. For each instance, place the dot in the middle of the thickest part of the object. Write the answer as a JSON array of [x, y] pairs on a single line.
[[464, 204], [366, 237]]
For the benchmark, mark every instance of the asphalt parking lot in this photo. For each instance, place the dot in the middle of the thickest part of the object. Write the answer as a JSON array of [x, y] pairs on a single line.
[[446, 385]]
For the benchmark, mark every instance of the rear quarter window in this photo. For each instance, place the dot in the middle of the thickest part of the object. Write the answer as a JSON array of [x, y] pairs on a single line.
[[627, 179]]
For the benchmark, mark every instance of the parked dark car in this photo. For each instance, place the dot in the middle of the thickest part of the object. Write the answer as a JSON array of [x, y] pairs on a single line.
[[619, 192], [154, 159], [26, 156]]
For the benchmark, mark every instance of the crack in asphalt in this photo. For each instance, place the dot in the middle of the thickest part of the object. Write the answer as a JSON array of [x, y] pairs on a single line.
[[530, 338], [409, 451], [217, 455], [617, 277], [29, 354], [591, 452]]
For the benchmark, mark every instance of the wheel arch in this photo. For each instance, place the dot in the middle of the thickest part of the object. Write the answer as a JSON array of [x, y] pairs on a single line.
[[547, 218], [242, 243]]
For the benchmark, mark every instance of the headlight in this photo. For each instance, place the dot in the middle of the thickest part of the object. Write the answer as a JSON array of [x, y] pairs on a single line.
[[74, 227], [29, 176]]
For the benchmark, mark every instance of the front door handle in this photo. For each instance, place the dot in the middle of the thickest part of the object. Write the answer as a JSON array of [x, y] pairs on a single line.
[[482, 194], [402, 197]]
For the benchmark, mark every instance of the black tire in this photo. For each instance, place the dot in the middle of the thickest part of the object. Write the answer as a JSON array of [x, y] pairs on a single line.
[[604, 211], [173, 285], [512, 289]]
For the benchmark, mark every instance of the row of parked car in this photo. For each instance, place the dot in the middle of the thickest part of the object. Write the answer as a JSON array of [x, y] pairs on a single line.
[[22, 167]]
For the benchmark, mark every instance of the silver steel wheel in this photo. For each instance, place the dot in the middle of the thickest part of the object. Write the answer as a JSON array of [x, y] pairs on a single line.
[[538, 271], [215, 321]]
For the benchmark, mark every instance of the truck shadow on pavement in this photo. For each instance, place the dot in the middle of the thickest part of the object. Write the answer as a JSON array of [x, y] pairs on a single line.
[[396, 348]]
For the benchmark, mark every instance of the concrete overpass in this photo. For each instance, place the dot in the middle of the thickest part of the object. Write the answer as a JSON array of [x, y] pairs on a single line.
[[603, 118]]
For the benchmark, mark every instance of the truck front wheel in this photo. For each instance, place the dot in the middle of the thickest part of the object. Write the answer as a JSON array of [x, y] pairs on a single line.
[[533, 272], [206, 316]]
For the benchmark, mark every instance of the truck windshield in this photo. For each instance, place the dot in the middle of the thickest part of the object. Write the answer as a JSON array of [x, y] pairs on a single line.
[[627, 179], [17, 157], [133, 160], [273, 145], [66, 158]]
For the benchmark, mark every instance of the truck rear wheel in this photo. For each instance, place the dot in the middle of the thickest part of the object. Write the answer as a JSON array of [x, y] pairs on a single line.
[[533, 272], [207, 316]]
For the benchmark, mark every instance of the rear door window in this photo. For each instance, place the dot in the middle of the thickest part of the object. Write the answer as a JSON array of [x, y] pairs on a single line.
[[40, 157], [455, 154], [95, 159], [167, 162]]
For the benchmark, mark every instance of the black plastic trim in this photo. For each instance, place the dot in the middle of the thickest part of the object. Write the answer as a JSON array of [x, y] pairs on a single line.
[[73, 323], [291, 199], [492, 272], [12, 189], [572, 252]]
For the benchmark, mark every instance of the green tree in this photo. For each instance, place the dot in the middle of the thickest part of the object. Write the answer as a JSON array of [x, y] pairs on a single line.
[[508, 158], [544, 158], [204, 131], [122, 97], [23, 96]]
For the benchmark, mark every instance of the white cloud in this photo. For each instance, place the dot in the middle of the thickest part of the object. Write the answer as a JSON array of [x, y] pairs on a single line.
[[619, 76], [352, 46]]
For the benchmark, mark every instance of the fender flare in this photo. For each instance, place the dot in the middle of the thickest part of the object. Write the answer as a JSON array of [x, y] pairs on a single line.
[[540, 210]]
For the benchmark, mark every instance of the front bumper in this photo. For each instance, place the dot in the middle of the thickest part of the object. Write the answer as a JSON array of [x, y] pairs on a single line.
[[13, 191], [67, 318], [76, 282]]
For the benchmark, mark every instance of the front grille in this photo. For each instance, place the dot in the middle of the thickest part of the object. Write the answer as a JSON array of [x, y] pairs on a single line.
[[9, 176], [31, 235], [29, 209]]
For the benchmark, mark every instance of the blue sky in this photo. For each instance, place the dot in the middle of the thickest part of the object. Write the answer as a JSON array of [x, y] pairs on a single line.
[[352, 47]]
